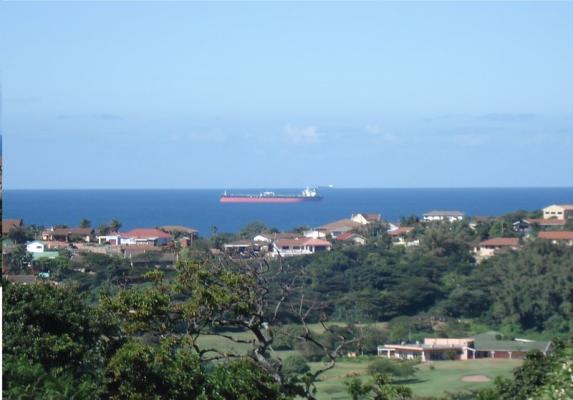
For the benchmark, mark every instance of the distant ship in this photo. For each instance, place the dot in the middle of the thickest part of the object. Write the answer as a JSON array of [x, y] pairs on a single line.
[[308, 194]]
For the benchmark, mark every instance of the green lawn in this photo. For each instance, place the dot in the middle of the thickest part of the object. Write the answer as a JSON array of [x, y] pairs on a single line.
[[446, 376]]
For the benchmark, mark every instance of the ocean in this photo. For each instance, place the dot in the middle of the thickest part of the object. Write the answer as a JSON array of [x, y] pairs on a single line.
[[200, 208]]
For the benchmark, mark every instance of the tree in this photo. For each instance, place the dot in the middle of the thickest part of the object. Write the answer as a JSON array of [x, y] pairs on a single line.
[[115, 225], [54, 346], [394, 368], [295, 365], [85, 223], [381, 388], [540, 377], [226, 295], [253, 229], [19, 235]]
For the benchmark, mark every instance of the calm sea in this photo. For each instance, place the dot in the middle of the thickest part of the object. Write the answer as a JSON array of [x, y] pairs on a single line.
[[200, 208]]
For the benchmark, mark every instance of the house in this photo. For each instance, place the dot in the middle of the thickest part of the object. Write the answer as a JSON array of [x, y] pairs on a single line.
[[244, 247], [399, 236], [393, 226], [490, 247], [481, 346], [526, 225], [432, 349], [558, 211], [351, 237], [365, 218], [9, 224], [112, 238], [339, 227], [178, 231], [449, 216], [299, 246], [565, 237], [69, 235], [35, 247], [145, 236], [271, 237], [317, 233]]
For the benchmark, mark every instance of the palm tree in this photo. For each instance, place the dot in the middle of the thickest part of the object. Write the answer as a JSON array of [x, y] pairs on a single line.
[[115, 224]]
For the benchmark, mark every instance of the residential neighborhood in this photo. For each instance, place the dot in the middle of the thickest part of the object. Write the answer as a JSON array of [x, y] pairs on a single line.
[[356, 230]]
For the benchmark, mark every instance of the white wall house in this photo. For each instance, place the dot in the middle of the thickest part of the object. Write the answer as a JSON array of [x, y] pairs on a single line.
[[108, 239], [315, 234], [448, 216], [35, 247], [299, 247], [558, 211]]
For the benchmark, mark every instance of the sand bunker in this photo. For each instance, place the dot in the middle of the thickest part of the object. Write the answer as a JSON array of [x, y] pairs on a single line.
[[475, 378]]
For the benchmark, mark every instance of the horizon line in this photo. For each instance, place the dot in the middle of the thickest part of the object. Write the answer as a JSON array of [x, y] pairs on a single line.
[[297, 188]]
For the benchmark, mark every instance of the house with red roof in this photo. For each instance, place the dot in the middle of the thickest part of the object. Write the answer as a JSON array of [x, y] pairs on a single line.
[[145, 236], [351, 237], [490, 247], [69, 235], [9, 224], [366, 218], [399, 236], [299, 246], [555, 237]]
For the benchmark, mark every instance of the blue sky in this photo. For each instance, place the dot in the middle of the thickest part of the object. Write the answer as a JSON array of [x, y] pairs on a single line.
[[228, 95]]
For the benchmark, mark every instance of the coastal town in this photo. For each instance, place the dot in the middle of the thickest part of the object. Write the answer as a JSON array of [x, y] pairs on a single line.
[[161, 246]]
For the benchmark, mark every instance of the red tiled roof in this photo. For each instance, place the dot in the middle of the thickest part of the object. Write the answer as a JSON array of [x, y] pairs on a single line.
[[556, 235], [501, 241], [290, 242], [401, 231], [146, 233], [347, 236], [342, 223], [8, 224], [317, 242], [546, 222], [69, 231]]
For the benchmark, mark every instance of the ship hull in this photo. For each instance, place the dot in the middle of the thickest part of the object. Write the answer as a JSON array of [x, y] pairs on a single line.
[[276, 199]]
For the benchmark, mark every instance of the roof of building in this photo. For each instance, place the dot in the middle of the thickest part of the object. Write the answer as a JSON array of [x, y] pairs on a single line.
[[178, 229], [545, 221], [401, 231], [487, 341], [501, 241], [556, 235], [348, 236], [291, 242], [316, 242], [483, 342], [437, 213], [341, 223], [370, 217], [564, 206], [240, 243], [69, 231], [146, 233], [280, 235], [8, 224]]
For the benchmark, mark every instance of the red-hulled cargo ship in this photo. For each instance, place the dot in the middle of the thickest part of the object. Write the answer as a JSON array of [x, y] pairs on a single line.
[[307, 194]]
